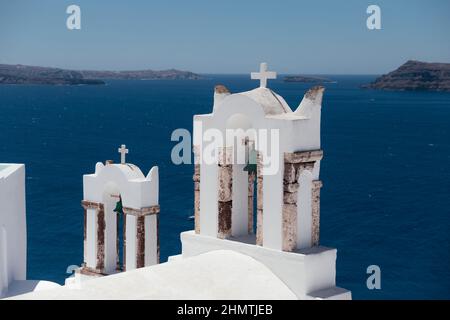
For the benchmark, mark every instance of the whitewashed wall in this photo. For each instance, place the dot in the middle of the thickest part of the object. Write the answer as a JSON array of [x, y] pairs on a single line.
[[13, 233]]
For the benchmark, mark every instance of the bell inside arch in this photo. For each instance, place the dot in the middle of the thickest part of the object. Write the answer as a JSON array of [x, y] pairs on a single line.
[[251, 163]]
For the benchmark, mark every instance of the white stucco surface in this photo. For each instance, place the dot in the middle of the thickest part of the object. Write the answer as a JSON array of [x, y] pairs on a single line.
[[215, 275], [13, 234], [304, 271], [20, 287]]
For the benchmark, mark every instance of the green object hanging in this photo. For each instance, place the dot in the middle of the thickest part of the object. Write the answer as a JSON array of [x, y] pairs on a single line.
[[119, 207], [251, 165]]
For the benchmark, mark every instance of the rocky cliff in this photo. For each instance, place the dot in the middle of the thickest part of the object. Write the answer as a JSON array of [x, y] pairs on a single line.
[[415, 75]]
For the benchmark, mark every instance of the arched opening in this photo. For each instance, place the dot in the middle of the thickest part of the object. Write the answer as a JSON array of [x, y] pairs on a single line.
[[240, 135], [113, 225]]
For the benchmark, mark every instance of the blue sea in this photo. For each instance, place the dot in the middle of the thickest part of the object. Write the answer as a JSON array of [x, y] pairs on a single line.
[[386, 173]]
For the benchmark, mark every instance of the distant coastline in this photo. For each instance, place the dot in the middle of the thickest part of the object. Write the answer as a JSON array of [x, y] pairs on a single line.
[[171, 74], [307, 79], [415, 76], [22, 74]]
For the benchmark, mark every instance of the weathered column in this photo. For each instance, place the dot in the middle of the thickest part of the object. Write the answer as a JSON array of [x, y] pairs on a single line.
[[147, 251], [294, 165], [97, 250], [289, 211], [225, 194], [101, 227], [197, 197], [118, 267], [251, 191], [316, 185], [124, 236], [259, 199], [196, 179], [158, 247], [140, 241], [84, 233]]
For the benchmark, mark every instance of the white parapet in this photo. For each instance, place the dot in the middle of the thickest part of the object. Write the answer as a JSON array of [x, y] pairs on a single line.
[[306, 272]]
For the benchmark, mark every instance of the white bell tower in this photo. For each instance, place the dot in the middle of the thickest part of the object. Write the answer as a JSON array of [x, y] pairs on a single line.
[[267, 206], [121, 210]]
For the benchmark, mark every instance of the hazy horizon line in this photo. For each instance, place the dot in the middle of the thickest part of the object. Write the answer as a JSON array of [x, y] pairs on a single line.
[[187, 70]]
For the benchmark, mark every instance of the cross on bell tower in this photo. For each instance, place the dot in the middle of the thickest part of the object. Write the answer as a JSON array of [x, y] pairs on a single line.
[[123, 152], [263, 75]]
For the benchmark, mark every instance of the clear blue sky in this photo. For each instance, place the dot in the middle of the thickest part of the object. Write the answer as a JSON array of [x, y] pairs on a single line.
[[207, 36]]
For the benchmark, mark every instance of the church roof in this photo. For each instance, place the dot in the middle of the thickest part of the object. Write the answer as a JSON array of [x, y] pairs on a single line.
[[130, 171], [272, 103], [221, 274]]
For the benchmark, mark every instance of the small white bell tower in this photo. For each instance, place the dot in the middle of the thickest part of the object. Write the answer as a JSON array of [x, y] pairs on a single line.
[[121, 210]]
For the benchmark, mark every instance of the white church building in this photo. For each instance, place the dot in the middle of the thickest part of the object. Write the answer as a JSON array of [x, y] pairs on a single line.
[[256, 207]]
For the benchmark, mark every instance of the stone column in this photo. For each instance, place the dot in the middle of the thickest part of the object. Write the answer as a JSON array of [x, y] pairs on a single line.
[[294, 165], [259, 199], [316, 185], [196, 178], [84, 234], [289, 211], [101, 227], [100, 231], [225, 194], [158, 247], [141, 233], [118, 267], [140, 241], [251, 191], [197, 197], [124, 236]]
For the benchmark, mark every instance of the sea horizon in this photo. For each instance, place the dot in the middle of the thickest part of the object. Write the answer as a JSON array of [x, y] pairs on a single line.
[[379, 166]]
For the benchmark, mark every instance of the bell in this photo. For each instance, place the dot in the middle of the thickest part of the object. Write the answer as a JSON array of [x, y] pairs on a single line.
[[119, 208], [251, 164]]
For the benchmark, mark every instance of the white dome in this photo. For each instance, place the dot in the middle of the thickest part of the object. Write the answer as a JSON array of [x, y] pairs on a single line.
[[131, 171], [271, 102]]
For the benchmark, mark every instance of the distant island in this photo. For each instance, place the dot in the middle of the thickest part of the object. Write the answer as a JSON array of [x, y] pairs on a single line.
[[415, 76], [171, 74], [21, 74], [307, 79]]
